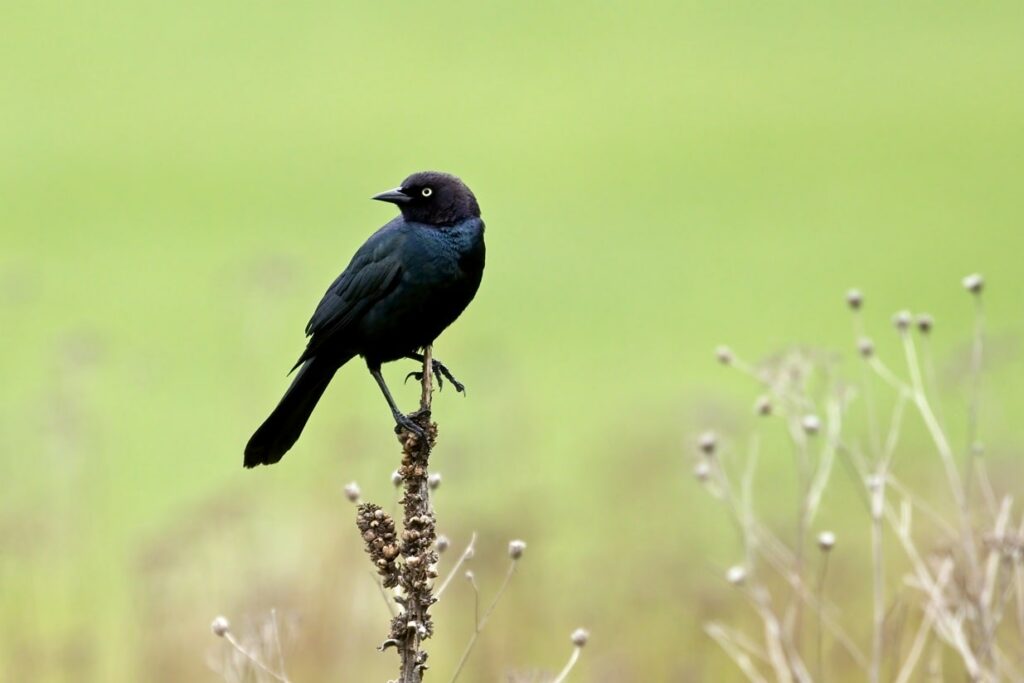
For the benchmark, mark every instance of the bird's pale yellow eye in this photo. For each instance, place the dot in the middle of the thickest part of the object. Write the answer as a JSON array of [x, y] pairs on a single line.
[[427, 192]]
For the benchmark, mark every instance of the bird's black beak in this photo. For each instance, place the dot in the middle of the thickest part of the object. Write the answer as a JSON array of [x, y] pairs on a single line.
[[395, 196]]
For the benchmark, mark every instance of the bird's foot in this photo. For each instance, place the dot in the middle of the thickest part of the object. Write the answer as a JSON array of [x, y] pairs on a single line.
[[406, 422], [439, 371]]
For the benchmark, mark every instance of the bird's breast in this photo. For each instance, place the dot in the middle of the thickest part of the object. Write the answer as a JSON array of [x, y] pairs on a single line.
[[441, 271]]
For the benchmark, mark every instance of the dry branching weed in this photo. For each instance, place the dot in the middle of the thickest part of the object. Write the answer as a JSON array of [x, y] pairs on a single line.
[[961, 563]]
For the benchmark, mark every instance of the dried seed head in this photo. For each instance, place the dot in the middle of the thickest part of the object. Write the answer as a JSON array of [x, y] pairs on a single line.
[[866, 347], [433, 481], [470, 576], [902, 320], [516, 549], [826, 540], [974, 283], [352, 491], [220, 626], [580, 637], [763, 406], [724, 355], [396, 478], [811, 424], [736, 575], [854, 299], [707, 443], [925, 323], [442, 543], [702, 471]]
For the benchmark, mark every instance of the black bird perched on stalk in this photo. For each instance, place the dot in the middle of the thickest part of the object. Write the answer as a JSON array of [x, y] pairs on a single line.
[[404, 286]]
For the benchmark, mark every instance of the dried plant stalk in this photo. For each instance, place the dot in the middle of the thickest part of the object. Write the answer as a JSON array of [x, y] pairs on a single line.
[[407, 560]]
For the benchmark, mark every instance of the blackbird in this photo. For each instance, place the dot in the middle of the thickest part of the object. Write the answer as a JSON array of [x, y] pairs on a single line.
[[404, 286]]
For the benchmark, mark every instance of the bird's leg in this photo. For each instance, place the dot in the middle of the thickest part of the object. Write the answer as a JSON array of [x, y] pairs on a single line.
[[439, 371], [400, 419]]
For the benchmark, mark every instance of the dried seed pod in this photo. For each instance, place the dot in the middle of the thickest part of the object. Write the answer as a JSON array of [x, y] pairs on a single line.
[[580, 637], [220, 626], [516, 549]]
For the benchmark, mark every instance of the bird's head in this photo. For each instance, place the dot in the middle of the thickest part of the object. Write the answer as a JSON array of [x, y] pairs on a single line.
[[433, 198]]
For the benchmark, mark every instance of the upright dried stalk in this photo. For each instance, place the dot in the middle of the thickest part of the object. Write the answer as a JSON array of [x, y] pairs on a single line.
[[406, 561]]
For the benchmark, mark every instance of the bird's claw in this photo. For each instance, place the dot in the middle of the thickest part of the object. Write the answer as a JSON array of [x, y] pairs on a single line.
[[439, 367], [418, 376], [439, 371]]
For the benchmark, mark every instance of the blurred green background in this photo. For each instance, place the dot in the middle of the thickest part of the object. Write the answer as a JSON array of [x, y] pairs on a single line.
[[179, 182]]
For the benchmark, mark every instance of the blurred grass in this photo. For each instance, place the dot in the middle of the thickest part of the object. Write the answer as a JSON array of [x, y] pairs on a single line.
[[180, 182]]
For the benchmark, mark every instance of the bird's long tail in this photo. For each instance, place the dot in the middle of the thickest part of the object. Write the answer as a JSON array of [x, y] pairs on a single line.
[[281, 430]]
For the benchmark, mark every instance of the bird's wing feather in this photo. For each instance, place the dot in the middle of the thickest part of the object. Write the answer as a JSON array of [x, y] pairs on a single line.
[[373, 274]]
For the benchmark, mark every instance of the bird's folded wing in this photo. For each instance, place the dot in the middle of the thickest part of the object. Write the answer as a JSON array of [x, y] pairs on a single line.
[[372, 275]]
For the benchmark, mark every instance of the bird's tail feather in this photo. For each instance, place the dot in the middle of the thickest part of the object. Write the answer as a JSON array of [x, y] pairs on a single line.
[[281, 430]]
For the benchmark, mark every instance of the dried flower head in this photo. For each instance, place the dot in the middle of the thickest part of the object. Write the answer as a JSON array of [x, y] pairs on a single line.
[[724, 355], [854, 299], [352, 491], [811, 424], [866, 347], [580, 637], [702, 471], [707, 443], [516, 549], [736, 575], [974, 283], [442, 543], [220, 626], [826, 540], [381, 541], [925, 323], [434, 481], [396, 478], [901, 321], [763, 406]]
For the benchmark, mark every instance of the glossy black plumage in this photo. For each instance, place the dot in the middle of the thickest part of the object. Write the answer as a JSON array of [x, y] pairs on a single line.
[[404, 286]]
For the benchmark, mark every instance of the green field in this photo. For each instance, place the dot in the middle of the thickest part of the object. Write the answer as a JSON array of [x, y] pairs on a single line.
[[180, 182]]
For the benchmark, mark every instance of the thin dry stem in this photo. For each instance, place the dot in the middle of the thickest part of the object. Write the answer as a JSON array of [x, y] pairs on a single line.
[[820, 632], [384, 594], [277, 643], [772, 635], [878, 578], [254, 659], [481, 621], [573, 658], [466, 555], [974, 404], [828, 454], [735, 653], [923, 631]]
